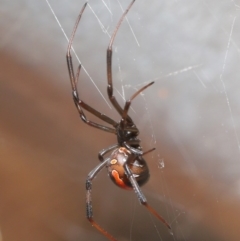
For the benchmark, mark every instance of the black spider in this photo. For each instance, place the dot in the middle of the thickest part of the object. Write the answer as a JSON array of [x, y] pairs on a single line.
[[126, 166]]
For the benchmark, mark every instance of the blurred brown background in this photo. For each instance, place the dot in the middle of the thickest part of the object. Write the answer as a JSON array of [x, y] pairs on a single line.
[[191, 115]]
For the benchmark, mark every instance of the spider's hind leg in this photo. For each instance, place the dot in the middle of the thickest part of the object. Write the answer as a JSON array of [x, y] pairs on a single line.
[[105, 151], [142, 198], [89, 208]]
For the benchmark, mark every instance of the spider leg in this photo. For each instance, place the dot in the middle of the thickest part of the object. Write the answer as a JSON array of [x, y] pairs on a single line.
[[141, 196], [89, 209], [128, 104], [74, 79], [105, 151], [90, 123], [69, 57], [86, 106], [109, 66], [146, 152], [135, 151]]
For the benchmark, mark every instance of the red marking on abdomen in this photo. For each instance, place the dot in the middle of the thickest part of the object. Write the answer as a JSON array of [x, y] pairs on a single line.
[[118, 180]]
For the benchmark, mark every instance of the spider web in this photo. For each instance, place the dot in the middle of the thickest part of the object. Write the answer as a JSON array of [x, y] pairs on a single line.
[[191, 50]]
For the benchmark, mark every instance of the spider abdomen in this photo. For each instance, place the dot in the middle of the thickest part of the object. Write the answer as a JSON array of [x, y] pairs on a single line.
[[121, 157]]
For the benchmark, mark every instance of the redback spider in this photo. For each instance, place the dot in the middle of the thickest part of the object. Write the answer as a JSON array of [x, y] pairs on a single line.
[[126, 166]]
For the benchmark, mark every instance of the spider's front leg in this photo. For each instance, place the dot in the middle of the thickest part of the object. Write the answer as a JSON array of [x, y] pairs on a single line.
[[74, 80], [109, 67], [82, 105]]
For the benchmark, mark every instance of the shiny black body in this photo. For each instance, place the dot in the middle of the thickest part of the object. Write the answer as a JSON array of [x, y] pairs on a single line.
[[125, 164]]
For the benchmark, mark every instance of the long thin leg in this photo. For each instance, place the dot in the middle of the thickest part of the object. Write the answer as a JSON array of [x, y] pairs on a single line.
[[89, 209], [105, 151], [109, 66], [79, 103], [142, 198], [146, 152], [128, 103], [91, 123], [86, 106], [136, 151], [69, 57]]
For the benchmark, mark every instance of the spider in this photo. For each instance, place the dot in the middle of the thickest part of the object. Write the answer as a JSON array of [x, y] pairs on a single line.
[[126, 165]]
